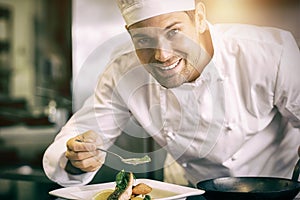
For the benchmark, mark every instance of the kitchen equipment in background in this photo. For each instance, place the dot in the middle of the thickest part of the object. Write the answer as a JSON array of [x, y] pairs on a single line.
[[249, 188], [5, 46]]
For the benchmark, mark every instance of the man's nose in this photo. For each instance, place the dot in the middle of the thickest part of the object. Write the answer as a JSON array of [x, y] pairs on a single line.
[[163, 51]]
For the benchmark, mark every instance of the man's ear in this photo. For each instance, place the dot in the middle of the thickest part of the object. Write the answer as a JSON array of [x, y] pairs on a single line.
[[200, 17]]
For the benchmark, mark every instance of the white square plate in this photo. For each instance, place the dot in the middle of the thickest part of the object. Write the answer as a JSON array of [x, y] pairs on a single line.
[[160, 190]]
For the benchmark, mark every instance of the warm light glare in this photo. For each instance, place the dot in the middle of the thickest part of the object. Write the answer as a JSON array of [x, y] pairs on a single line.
[[261, 12]]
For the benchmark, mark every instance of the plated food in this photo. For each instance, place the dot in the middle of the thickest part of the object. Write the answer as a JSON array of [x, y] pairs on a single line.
[[160, 191], [125, 189]]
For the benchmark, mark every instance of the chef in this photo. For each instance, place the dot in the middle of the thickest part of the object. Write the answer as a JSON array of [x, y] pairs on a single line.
[[223, 100]]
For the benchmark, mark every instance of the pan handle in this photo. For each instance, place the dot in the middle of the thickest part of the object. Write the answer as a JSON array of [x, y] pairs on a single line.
[[296, 172]]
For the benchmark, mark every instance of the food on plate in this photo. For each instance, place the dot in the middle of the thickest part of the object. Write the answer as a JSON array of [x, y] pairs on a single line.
[[141, 188], [125, 190]]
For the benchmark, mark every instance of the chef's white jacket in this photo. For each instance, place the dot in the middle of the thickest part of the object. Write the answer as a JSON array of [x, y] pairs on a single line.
[[241, 117]]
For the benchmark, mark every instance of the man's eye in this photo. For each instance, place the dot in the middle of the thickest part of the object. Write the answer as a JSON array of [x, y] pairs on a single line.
[[172, 33], [144, 41]]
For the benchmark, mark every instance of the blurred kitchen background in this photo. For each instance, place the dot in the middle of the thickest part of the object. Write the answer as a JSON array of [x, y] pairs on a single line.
[[44, 44]]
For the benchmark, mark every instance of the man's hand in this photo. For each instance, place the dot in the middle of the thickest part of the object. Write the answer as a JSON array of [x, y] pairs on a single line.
[[83, 154]]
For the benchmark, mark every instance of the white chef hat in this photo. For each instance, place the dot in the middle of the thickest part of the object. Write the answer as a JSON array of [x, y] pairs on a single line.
[[137, 10]]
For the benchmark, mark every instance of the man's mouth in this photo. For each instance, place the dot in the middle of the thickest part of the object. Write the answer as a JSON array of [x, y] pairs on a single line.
[[170, 67]]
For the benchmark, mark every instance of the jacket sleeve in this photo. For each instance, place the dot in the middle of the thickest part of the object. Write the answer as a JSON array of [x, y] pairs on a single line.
[[54, 160], [104, 113], [287, 91]]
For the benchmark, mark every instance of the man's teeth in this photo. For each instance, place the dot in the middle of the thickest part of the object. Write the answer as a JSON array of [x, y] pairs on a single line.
[[170, 66]]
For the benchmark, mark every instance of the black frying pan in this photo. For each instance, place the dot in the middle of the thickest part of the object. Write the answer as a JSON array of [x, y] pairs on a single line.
[[254, 188]]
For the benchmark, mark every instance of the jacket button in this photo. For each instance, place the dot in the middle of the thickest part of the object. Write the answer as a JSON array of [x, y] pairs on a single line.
[[228, 126], [171, 135]]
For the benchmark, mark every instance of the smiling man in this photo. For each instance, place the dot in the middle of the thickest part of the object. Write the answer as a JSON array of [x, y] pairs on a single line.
[[223, 100], [165, 45]]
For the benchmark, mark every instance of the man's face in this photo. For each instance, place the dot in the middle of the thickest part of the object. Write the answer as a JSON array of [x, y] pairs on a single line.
[[168, 47]]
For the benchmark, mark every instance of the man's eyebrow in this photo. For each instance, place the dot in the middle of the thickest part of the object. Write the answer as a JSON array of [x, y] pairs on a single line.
[[136, 35], [139, 35], [171, 25]]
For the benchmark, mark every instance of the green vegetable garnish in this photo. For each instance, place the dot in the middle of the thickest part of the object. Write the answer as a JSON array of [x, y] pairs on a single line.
[[121, 183], [122, 179]]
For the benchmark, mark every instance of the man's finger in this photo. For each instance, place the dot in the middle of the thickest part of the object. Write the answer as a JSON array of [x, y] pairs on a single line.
[[71, 155], [77, 146], [88, 164]]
